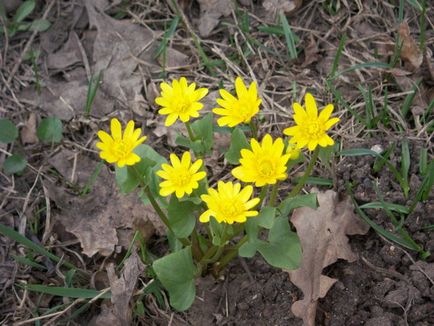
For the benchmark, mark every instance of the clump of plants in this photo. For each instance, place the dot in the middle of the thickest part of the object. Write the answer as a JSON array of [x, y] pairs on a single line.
[[208, 225]]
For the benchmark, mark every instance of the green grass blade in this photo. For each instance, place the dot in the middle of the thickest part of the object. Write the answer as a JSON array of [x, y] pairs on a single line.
[[405, 165], [393, 207], [272, 30], [167, 36], [377, 65], [68, 292], [94, 83], [409, 99], [26, 261], [289, 36], [338, 56], [14, 235], [380, 230], [423, 161], [415, 4]]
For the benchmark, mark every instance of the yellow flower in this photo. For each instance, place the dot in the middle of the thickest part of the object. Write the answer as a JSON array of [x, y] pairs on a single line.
[[117, 147], [238, 110], [180, 100], [293, 151], [181, 177], [264, 164], [310, 129], [229, 204]]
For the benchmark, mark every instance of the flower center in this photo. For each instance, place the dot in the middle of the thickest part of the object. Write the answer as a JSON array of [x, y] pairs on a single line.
[[245, 108], [266, 168], [182, 105], [314, 129], [181, 178], [122, 148], [231, 208]]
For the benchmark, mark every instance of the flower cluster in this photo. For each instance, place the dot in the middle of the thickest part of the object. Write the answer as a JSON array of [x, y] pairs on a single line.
[[264, 163]]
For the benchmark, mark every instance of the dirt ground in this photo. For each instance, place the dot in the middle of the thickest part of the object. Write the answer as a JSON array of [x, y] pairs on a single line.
[[68, 202]]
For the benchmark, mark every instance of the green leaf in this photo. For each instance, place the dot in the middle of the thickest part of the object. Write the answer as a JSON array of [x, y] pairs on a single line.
[[8, 131], [15, 163], [181, 216], [176, 272], [291, 203], [24, 10], [283, 248], [204, 131], [238, 142], [128, 178], [266, 217], [217, 230], [50, 130], [68, 292], [40, 25]]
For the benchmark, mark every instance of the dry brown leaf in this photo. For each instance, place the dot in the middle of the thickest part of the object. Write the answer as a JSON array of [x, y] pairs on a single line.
[[410, 52], [323, 239], [115, 48], [122, 288], [287, 6], [100, 219], [210, 13], [28, 132], [67, 56], [174, 59], [311, 52]]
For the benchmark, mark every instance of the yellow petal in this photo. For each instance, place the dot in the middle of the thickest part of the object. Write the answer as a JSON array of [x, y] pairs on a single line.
[[205, 216], [240, 88], [326, 112], [175, 160], [105, 137], [330, 123], [170, 120], [116, 129], [129, 130], [312, 144], [186, 160], [227, 96], [311, 108]]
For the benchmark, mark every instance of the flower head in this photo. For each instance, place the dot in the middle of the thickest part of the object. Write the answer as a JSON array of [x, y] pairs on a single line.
[[264, 164], [181, 177], [180, 100], [117, 147], [310, 129], [238, 110], [229, 204]]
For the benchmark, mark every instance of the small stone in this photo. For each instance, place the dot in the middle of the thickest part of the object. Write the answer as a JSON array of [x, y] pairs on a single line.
[[377, 149], [243, 306]]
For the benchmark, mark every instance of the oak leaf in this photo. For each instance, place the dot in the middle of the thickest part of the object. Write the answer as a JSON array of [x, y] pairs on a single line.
[[323, 235]]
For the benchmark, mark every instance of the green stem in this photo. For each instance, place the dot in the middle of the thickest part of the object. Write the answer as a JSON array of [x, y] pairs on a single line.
[[262, 194], [273, 195], [294, 192], [220, 265], [190, 131], [254, 128], [155, 204]]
